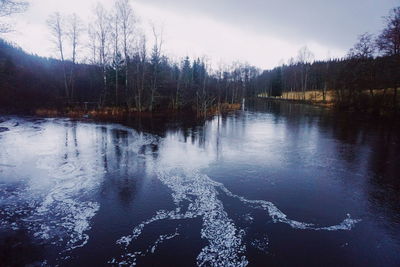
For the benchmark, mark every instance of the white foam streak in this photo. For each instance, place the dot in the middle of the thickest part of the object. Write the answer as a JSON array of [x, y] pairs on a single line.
[[131, 258], [279, 216], [53, 204], [225, 240]]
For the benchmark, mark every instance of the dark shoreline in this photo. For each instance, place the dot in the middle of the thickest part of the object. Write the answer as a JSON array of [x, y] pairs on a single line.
[[190, 117], [360, 115]]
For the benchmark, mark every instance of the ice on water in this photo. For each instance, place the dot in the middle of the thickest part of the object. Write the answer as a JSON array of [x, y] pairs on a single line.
[[54, 197], [226, 247]]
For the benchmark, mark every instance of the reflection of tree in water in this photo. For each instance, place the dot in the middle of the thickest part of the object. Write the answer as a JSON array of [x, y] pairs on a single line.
[[197, 196], [104, 146], [383, 163], [151, 149], [71, 126], [120, 140], [349, 141], [125, 157], [359, 141], [16, 243], [376, 145]]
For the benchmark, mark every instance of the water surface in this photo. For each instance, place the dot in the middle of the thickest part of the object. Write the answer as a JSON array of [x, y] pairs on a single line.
[[278, 184]]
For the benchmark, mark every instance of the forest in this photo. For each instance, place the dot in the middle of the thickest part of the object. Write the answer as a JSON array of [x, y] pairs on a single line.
[[108, 63]]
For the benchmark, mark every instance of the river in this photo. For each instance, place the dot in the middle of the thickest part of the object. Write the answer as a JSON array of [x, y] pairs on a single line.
[[276, 184]]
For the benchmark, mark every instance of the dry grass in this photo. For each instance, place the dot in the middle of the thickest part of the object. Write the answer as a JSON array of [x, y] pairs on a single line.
[[47, 112], [224, 107], [77, 112], [317, 96], [388, 91], [117, 112], [313, 96]]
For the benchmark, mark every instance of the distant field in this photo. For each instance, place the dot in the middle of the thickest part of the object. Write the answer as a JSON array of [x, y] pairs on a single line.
[[317, 96], [309, 95]]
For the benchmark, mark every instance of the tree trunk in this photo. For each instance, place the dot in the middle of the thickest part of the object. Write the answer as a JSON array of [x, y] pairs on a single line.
[[395, 98]]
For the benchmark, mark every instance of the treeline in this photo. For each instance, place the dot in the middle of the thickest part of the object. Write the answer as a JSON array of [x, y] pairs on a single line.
[[29, 81], [123, 72], [368, 78], [108, 64], [356, 82]]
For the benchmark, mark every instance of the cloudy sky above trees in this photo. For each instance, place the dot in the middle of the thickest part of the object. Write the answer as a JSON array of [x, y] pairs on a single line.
[[261, 32]]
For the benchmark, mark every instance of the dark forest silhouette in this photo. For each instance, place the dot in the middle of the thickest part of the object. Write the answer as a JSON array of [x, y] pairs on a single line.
[[120, 72]]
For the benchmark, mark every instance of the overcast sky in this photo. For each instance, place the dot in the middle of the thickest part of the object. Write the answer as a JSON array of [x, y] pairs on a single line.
[[261, 32]]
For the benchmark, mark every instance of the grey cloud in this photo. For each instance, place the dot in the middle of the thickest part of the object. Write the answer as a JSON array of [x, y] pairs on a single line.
[[336, 22]]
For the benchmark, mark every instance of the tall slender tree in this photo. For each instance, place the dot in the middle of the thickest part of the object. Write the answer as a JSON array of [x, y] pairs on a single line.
[[102, 29], [155, 62], [116, 46], [305, 57], [127, 22], [57, 29], [74, 31], [142, 55]]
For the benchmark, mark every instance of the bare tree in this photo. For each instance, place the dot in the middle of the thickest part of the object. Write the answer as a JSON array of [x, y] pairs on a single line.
[[102, 30], [127, 23], [220, 78], [388, 43], [92, 53], [326, 72], [142, 72], [74, 32], [92, 45], [178, 76], [155, 61], [389, 40], [116, 61], [304, 57], [364, 48], [55, 24], [8, 8], [205, 99]]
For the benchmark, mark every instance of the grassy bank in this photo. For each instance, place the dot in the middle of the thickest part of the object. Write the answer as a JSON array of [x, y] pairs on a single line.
[[377, 97], [309, 97], [377, 102], [119, 112]]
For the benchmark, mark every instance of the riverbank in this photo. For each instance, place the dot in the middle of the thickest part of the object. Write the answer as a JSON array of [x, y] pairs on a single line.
[[308, 101], [377, 102], [344, 112], [118, 112]]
